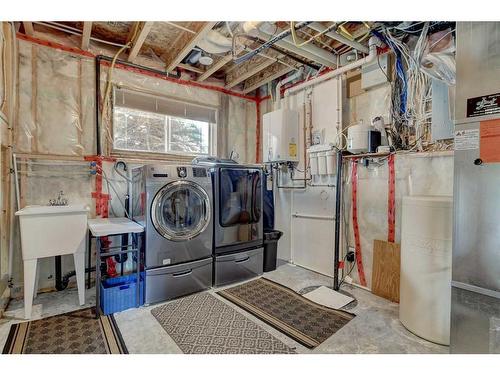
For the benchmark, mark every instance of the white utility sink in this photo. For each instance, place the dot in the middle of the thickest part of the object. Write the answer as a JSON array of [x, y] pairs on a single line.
[[48, 231]]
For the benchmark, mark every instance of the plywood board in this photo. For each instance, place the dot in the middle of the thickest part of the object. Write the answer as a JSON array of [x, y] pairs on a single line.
[[353, 84], [386, 269]]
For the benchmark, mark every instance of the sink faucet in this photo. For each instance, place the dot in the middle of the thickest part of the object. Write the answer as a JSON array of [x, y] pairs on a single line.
[[60, 201]]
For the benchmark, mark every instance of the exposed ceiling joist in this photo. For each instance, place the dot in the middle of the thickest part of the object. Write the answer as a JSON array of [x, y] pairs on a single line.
[[141, 36], [215, 67], [191, 68], [273, 72], [186, 42], [314, 52], [247, 70], [87, 30], [28, 28], [336, 36], [300, 51]]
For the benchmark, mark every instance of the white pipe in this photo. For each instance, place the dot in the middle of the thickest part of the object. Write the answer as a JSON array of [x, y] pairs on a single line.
[[18, 199], [14, 196], [374, 41], [11, 234], [288, 79]]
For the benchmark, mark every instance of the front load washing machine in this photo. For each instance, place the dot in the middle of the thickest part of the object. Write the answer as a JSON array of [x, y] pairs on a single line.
[[174, 204]]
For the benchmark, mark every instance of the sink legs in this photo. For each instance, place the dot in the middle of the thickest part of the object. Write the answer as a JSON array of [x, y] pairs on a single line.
[[31, 281], [37, 277], [79, 258], [29, 285]]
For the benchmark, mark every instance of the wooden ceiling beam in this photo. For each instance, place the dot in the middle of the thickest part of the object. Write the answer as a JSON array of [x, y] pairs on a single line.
[[191, 68], [28, 28], [215, 67], [260, 66], [185, 43], [144, 29], [131, 31], [247, 70], [275, 71], [87, 30]]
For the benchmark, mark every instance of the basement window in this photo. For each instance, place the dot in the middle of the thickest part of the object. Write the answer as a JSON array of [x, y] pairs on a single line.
[[148, 123]]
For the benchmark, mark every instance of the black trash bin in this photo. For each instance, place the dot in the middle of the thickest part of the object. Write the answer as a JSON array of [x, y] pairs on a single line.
[[271, 238]]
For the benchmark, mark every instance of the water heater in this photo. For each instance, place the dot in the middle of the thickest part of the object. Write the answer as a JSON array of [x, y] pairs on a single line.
[[281, 136]]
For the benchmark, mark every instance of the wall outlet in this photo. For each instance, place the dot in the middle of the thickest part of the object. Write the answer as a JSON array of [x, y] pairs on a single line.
[[351, 254]]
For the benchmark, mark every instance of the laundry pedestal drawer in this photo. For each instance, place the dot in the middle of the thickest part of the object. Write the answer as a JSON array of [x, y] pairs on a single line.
[[244, 265], [169, 282]]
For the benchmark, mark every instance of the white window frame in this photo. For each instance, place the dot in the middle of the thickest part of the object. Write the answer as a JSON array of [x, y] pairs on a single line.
[[212, 132]]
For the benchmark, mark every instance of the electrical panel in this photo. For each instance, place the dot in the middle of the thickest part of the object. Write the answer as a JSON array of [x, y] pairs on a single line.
[[442, 125], [376, 72], [281, 136]]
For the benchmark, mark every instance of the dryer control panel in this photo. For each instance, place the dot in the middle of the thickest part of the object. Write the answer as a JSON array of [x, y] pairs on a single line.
[[199, 172]]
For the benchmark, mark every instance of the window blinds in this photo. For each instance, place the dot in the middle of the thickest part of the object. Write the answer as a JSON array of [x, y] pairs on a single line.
[[170, 107]]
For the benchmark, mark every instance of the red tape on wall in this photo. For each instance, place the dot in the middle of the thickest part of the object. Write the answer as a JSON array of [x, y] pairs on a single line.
[[391, 203], [357, 240]]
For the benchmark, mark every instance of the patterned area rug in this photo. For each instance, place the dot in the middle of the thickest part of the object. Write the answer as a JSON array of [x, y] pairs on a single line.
[[303, 320], [77, 332], [202, 324]]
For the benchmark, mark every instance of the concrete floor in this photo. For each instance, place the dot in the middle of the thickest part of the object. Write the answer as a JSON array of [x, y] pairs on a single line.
[[375, 329]]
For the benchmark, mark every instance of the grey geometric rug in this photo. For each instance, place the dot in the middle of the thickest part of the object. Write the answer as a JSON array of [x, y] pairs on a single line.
[[282, 308], [202, 324]]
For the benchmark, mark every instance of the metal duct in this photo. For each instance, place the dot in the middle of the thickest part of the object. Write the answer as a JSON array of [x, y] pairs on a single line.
[[324, 55], [336, 36]]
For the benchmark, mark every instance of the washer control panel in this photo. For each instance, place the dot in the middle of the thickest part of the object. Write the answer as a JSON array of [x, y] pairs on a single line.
[[181, 172]]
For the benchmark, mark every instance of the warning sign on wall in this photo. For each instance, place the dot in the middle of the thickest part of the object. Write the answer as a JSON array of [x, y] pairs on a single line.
[[489, 149], [467, 139]]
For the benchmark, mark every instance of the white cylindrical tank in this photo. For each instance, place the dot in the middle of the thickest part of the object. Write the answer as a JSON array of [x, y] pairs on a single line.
[[357, 138], [322, 163], [313, 160], [425, 289], [330, 163]]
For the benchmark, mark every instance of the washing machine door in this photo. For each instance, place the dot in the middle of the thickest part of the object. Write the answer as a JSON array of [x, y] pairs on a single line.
[[180, 210]]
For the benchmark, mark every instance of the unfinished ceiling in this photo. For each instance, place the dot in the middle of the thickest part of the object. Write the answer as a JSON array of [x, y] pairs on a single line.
[[208, 50]]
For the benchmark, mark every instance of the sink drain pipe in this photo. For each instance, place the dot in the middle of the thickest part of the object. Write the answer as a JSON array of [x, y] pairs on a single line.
[[63, 283]]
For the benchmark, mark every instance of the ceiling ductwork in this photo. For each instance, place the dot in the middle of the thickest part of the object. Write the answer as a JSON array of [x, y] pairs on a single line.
[[340, 38], [251, 27], [215, 42], [309, 51]]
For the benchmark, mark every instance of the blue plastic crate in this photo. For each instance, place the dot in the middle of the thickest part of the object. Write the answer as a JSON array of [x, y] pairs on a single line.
[[119, 293]]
